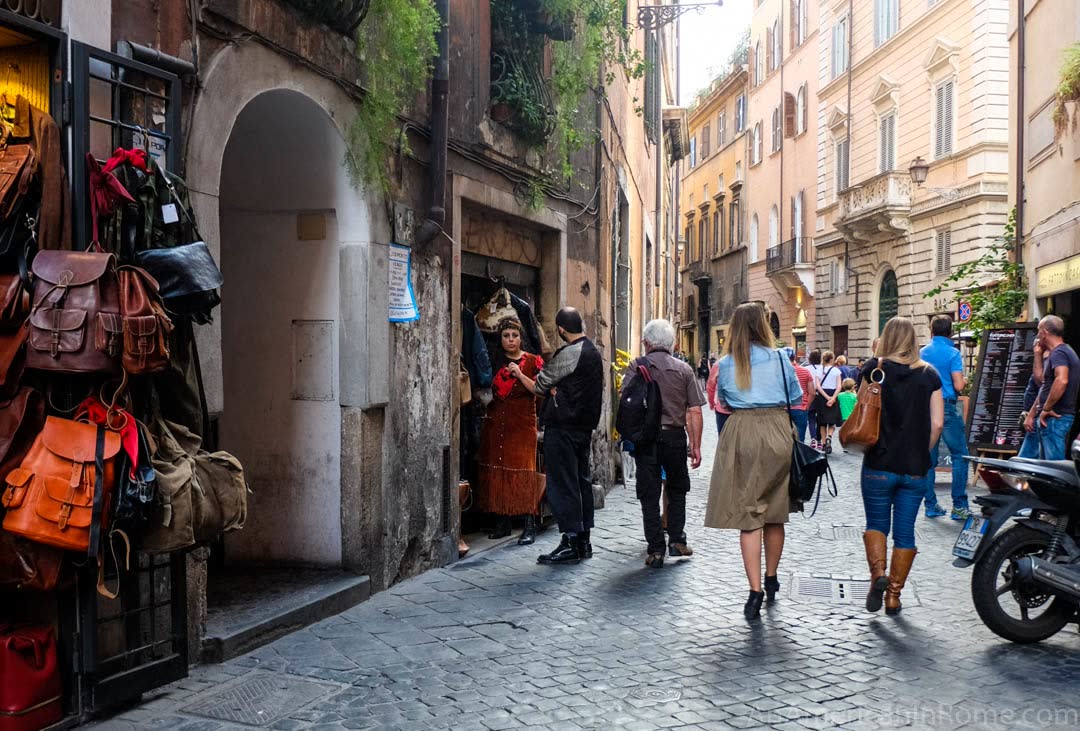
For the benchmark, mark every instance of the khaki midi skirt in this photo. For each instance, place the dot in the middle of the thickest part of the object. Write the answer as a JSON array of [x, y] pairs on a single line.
[[749, 486]]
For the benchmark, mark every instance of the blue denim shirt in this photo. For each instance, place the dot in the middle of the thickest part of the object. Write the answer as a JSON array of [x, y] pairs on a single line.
[[766, 381], [946, 360]]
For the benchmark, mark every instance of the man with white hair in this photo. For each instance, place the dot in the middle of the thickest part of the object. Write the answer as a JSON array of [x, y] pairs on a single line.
[[681, 400]]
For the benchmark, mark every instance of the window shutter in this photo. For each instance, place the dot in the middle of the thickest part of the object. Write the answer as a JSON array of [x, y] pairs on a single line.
[[948, 115], [804, 20], [943, 255], [888, 142], [768, 51], [877, 23], [706, 138], [793, 33], [789, 115], [794, 233], [751, 61]]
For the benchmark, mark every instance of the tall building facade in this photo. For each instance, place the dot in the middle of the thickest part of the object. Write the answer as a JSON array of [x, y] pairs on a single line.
[[1045, 170], [781, 175], [903, 82], [713, 266]]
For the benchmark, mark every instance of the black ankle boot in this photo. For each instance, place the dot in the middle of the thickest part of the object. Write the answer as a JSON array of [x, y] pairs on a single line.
[[584, 545], [772, 585], [528, 534], [752, 610], [502, 527], [566, 552]]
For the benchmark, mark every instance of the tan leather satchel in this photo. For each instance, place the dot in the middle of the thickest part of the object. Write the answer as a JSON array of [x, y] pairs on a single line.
[[465, 393], [58, 496], [863, 428], [146, 326]]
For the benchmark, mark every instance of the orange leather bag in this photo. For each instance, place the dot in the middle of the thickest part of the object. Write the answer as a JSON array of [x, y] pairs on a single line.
[[862, 428], [60, 493]]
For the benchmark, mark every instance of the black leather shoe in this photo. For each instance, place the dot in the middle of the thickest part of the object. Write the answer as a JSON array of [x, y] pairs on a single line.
[[772, 585], [584, 546], [655, 560], [566, 552], [501, 529], [752, 610], [528, 534]]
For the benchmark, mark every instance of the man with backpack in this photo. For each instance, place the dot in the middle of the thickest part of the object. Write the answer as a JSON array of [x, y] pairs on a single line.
[[660, 411]]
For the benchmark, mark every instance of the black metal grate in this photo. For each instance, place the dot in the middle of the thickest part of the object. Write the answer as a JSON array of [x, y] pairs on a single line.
[[839, 590]]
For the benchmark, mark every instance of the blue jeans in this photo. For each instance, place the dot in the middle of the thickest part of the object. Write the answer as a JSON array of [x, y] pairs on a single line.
[[721, 419], [953, 436], [811, 421], [892, 498], [1053, 439], [800, 418]]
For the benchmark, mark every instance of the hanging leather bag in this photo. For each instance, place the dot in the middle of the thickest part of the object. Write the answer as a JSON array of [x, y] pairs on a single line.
[[16, 173], [14, 310], [75, 323], [30, 686], [146, 326], [810, 469], [28, 566], [21, 419], [60, 494], [862, 429]]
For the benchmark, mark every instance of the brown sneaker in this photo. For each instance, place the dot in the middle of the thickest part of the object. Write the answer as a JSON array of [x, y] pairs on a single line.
[[679, 549], [654, 560]]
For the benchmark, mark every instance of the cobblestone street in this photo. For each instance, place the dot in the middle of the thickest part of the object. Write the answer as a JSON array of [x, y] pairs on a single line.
[[499, 642]]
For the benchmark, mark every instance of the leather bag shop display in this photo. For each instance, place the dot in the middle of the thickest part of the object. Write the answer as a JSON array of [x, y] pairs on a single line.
[[14, 311], [201, 495], [146, 326], [16, 174], [21, 419], [30, 688], [60, 493], [75, 323]]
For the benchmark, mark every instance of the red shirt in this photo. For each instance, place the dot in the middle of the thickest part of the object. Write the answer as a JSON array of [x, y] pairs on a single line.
[[806, 380]]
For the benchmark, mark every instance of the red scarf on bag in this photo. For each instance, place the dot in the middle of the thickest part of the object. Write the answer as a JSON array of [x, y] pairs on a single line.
[[98, 413]]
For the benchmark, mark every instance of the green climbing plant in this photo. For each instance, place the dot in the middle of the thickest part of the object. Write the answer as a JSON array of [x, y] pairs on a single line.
[[1068, 89], [994, 284], [396, 48]]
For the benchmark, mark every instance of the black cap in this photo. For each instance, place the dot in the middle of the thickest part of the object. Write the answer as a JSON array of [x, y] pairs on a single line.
[[569, 320]]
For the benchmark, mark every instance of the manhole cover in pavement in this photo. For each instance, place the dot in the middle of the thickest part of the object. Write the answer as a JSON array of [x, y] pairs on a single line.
[[853, 533], [839, 590], [260, 700], [653, 694]]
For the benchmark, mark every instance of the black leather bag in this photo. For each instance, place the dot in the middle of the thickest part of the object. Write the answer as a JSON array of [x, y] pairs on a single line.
[[809, 467], [188, 278]]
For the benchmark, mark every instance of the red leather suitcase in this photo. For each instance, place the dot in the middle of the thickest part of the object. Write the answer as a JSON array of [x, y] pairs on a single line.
[[30, 691]]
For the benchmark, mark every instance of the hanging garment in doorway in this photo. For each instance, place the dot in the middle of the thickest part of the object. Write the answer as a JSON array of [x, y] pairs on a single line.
[[474, 351]]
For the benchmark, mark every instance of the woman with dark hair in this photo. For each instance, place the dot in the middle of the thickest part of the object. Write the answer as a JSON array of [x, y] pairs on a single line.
[[749, 487], [894, 470], [509, 484]]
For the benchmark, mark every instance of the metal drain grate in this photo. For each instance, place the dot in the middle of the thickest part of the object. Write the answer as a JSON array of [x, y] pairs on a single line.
[[652, 694], [854, 533], [260, 700], [839, 590]]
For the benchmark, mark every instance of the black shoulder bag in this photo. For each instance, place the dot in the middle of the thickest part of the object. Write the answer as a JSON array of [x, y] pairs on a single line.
[[809, 467]]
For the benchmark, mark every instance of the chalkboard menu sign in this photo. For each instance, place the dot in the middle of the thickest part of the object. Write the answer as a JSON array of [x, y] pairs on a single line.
[[1005, 363]]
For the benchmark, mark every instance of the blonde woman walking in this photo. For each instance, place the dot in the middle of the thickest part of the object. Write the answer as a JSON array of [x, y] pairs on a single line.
[[749, 488]]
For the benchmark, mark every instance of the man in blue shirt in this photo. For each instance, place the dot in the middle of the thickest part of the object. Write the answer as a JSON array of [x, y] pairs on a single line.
[[945, 358]]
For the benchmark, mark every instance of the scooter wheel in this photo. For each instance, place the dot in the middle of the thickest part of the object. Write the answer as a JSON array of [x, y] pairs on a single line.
[[1009, 609]]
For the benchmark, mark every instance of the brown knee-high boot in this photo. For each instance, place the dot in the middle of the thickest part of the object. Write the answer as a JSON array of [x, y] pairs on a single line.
[[876, 551], [898, 573]]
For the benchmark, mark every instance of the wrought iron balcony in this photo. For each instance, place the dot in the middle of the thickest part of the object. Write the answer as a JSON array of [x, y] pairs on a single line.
[[792, 263], [791, 253], [344, 16], [876, 208]]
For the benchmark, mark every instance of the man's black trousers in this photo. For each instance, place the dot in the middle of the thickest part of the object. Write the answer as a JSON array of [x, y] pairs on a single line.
[[669, 452], [569, 483]]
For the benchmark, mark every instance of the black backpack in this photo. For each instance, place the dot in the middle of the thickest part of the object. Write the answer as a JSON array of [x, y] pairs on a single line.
[[640, 407]]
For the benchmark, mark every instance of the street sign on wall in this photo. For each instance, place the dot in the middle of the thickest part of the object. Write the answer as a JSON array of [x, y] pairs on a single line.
[[963, 312]]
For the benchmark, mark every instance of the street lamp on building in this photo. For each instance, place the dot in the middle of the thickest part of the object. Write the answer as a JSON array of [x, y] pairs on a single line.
[[919, 169], [653, 17]]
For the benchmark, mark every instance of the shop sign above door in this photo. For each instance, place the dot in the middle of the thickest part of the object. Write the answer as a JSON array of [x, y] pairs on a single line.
[[42, 11], [1058, 277]]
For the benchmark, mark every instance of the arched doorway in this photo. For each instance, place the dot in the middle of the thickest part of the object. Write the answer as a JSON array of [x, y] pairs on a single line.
[[281, 193], [888, 299], [774, 324]]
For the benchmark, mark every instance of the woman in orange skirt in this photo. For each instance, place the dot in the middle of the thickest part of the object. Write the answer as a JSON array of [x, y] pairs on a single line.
[[509, 484]]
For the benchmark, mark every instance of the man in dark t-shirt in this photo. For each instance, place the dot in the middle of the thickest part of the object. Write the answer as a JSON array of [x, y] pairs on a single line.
[[1051, 417]]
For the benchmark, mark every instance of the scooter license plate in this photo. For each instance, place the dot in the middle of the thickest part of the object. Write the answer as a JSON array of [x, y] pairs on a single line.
[[970, 537]]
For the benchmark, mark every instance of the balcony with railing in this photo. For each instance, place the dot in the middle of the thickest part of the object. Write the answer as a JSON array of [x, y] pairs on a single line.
[[877, 208], [344, 16], [792, 263]]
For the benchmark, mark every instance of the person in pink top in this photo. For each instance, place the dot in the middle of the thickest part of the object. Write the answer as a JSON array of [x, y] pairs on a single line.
[[717, 405]]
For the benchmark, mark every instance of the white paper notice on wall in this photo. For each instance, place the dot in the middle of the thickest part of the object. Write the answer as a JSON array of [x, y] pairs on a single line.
[[402, 298], [154, 145]]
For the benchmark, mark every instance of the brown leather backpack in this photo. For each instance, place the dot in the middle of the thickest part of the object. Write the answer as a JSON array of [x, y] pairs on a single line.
[[57, 496], [146, 326], [14, 309], [75, 324], [862, 429]]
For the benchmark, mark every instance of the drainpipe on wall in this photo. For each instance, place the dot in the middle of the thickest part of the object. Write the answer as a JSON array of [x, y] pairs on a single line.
[[659, 203], [440, 85], [1020, 22]]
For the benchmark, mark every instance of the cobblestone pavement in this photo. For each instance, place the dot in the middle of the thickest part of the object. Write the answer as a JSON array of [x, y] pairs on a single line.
[[499, 642]]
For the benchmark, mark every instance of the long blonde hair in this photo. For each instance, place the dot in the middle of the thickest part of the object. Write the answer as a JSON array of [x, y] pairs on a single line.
[[898, 343], [748, 326]]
